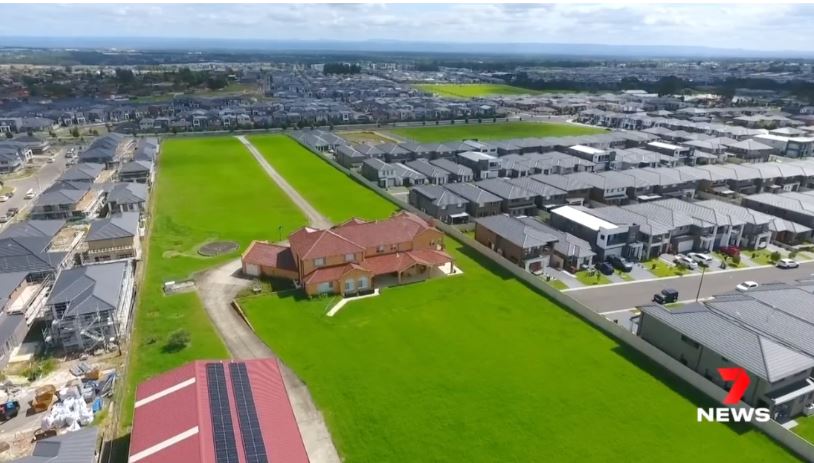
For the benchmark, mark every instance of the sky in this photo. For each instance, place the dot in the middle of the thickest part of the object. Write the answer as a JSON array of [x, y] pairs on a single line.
[[747, 26]]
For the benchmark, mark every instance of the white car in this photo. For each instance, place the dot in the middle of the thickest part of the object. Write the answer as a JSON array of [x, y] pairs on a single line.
[[787, 263], [684, 261], [747, 285], [3, 198], [700, 258]]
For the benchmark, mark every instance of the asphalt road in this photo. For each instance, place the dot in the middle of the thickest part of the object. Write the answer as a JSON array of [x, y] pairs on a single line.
[[40, 180], [626, 295]]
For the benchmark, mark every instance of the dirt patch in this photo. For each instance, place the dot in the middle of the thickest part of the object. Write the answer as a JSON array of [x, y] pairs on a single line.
[[218, 248]]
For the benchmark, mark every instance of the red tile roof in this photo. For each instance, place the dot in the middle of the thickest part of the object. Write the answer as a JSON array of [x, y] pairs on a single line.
[[389, 263], [325, 274], [270, 255], [176, 404], [431, 257], [308, 243], [402, 227]]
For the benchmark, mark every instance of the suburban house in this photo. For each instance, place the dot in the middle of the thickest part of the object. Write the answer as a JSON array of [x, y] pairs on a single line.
[[108, 150], [198, 396], [113, 238], [440, 203], [380, 172], [480, 203], [13, 157], [750, 150], [606, 238], [434, 174], [458, 172], [136, 171], [545, 195], [60, 202], [89, 307], [768, 331], [78, 446], [353, 257], [126, 197], [87, 172], [483, 165], [514, 199], [524, 244]]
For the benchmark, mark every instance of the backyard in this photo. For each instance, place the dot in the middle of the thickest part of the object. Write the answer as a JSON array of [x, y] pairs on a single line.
[[330, 191], [476, 367], [475, 90], [492, 131], [207, 189]]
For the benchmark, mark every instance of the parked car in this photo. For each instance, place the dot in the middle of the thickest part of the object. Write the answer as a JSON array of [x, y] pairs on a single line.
[[9, 410], [730, 251], [787, 263], [685, 262], [666, 296], [747, 285], [700, 258], [3, 198], [12, 211], [30, 194], [605, 268], [4, 218], [620, 263]]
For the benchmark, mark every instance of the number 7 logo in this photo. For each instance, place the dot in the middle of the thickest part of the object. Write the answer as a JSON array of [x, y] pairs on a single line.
[[740, 382]]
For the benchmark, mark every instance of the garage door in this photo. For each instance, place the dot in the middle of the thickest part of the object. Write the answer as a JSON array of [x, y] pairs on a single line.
[[253, 270], [685, 246]]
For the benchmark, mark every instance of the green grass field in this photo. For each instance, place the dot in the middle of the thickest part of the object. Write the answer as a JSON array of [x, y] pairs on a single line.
[[207, 189], [330, 191], [479, 368], [492, 131], [591, 278], [475, 90]]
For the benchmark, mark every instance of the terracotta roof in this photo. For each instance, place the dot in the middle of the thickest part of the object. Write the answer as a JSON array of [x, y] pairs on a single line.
[[402, 227], [270, 255], [309, 243], [431, 257], [389, 263], [325, 274]]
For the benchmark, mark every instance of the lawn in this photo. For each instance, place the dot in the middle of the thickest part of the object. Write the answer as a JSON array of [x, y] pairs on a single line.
[[207, 189], [660, 268], [762, 256], [591, 278], [728, 259], [329, 190], [625, 276], [480, 368], [466, 91], [492, 131], [805, 428]]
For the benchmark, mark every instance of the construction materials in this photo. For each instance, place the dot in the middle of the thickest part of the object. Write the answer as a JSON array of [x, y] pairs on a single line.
[[44, 396], [70, 412]]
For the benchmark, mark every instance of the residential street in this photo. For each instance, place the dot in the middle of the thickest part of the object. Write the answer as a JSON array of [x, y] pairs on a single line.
[[315, 219], [40, 180], [626, 295]]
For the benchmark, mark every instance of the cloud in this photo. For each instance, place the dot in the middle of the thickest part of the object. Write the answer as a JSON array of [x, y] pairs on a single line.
[[750, 26]]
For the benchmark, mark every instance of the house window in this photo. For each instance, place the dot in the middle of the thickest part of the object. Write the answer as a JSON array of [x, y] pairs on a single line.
[[319, 262], [363, 283], [348, 257], [349, 285], [380, 248]]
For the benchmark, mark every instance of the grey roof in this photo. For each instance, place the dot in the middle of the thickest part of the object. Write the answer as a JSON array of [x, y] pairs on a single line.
[[405, 172], [135, 167], [73, 447], [621, 216], [778, 225], [567, 183], [33, 229], [127, 193], [8, 283], [541, 189], [639, 155], [430, 170], [439, 195], [28, 254], [504, 189], [60, 197], [124, 225], [736, 213], [90, 288], [85, 172], [9, 324], [455, 168], [518, 232], [761, 355], [605, 180], [703, 216], [670, 217], [472, 193], [750, 145], [792, 201]]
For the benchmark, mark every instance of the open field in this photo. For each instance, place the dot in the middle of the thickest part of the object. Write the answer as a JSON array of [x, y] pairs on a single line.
[[365, 136], [496, 131], [475, 90], [479, 368], [330, 191], [207, 188]]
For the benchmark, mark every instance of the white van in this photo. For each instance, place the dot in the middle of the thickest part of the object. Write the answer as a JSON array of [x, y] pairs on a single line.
[[29, 194]]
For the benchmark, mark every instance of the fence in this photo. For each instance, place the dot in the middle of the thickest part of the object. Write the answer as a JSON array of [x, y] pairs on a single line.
[[790, 440]]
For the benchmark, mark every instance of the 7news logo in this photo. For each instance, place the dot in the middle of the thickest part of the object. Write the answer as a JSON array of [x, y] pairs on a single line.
[[740, 383]]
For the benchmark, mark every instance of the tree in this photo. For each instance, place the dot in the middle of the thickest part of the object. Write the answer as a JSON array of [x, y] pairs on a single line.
[[75, 132], [775, 256], [736, 259], [178, 340]]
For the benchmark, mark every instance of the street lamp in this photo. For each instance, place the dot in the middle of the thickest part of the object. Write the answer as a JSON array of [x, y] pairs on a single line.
[[703, 271], [280, 232]]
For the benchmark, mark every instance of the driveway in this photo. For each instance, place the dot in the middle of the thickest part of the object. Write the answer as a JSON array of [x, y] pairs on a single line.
[[315, 219], [217, 288]]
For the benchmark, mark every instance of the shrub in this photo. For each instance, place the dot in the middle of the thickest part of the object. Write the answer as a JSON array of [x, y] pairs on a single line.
[[793, 254], [736, 259], [178, 340], [775, 256]]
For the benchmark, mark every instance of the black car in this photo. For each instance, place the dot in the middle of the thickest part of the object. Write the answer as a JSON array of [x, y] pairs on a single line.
[[604, 268], [666, 296], [619, 263]]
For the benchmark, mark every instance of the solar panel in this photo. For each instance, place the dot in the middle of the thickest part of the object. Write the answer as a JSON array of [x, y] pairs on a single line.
[[250, 431], [222, 428]]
